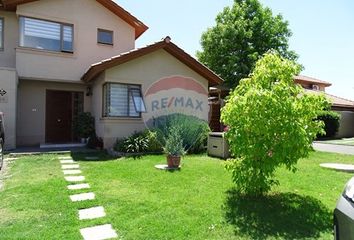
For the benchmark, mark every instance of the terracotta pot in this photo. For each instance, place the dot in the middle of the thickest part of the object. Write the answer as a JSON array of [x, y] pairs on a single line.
[[173, 161]]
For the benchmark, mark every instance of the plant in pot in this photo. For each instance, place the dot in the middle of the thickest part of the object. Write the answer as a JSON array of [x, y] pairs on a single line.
[[84, 126], [173, 147]]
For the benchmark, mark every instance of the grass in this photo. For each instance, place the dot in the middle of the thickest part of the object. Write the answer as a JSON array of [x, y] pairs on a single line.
[[197, 202], [343, 141]]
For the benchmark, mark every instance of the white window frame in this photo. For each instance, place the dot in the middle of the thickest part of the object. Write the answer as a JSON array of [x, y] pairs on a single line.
[[61, 37], [132, 101], [2, 33]]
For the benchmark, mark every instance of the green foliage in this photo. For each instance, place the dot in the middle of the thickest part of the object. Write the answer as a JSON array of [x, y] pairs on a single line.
[[193, 131], [95, 142], [154, 146], [271, 123], [139, 142], [173, 142], [331, 121], [84, 125], [243, 33]]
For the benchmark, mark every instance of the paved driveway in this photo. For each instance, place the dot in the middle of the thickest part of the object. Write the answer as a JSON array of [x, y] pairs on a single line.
[[325, 147]]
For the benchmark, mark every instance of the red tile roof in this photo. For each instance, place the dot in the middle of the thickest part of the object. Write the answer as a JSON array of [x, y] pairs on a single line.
[[305, 79], [336, 101], [140, 27], [164, 44]]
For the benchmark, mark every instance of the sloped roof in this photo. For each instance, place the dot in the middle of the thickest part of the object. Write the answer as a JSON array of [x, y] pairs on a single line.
[[165, 44], [336, 101], [140, 27], [305, 79]]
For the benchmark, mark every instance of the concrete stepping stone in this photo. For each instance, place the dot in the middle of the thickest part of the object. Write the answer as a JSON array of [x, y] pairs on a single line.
[[78, 186], [75, 178], [100, 232], [65, 158], [338, 166], [82, 197], [91, 158], [91, 213], [70, 166], [66, 161], [72, 172]]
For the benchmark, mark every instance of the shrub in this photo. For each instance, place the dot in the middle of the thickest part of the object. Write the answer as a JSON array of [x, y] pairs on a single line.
[[139, 142], [154, 146], [331, 121], [173, 142], [84, 125], [193, 131], [271, 124], [95, 142]]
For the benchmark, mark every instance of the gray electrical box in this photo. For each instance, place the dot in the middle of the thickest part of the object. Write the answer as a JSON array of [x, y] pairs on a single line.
[[217, 145]]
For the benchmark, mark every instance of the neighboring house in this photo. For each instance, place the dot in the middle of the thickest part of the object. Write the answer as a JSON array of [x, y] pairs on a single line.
[[343, 106], [61, 57]]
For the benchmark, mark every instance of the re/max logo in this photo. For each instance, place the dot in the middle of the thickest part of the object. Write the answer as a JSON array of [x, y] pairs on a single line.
[[164, 103]]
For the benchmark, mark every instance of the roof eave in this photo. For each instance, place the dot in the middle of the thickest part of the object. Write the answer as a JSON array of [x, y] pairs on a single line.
[[140, 27], [95, 70]]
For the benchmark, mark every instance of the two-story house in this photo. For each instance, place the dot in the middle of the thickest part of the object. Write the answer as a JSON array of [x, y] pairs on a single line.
[[62, 57]]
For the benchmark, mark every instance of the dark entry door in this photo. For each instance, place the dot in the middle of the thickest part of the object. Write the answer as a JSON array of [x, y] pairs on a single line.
[[59, 116]]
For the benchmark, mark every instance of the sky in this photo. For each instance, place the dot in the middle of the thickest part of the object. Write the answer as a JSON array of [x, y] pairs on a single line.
[[323, 32]]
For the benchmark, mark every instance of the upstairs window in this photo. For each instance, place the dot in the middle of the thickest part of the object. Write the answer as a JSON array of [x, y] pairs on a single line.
[[1, 33], [46, 35], [123, 100], [105, 36]]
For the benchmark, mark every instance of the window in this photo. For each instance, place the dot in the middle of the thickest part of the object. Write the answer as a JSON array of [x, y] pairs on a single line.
[[41, 34], [1, 33], [105, 36], [123, 100]]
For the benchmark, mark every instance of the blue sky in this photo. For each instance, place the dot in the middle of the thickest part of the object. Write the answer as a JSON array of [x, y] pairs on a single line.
[[323, 32]]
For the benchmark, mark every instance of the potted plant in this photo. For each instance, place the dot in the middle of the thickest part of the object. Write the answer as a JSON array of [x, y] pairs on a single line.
[[84, 126], [174, 148]]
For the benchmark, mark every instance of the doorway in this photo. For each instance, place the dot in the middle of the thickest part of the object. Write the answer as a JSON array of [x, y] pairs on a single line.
[[62, 107]]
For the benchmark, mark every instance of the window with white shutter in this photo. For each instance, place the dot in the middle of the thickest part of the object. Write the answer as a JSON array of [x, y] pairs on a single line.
[[47, 35], [122, 100]]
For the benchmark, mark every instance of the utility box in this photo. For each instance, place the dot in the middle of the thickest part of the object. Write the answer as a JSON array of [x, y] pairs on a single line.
[[217, 145]]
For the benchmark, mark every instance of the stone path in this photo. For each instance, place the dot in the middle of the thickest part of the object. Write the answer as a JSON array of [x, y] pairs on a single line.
[[98, 232], [76, 182]]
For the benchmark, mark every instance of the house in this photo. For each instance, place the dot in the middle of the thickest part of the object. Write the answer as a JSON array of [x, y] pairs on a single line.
[[343, 106], [62, 57]]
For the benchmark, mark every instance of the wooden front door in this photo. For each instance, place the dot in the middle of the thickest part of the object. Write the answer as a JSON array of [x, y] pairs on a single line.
[[59, 115]]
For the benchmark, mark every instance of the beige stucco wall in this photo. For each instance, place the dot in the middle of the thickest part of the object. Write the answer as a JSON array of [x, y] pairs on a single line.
[[346, 127], [145, 71], [31, 109], [86, 16], [7, 56], [8, 82]]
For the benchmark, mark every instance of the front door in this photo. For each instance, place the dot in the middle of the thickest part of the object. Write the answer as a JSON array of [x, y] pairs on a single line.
[[59, 115]]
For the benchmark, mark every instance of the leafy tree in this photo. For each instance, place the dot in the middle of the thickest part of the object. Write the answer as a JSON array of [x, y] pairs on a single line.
[[243, 33], [272, 123]]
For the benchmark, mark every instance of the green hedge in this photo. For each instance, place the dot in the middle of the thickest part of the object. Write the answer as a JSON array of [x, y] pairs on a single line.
[[331, 120]]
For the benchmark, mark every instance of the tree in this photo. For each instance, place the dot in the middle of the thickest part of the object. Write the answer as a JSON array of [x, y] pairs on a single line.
[[243, 33], [272, 123]]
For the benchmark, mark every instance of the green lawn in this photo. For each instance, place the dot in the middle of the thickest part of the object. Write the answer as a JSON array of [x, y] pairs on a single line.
[[342, 141], [196, 202]]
